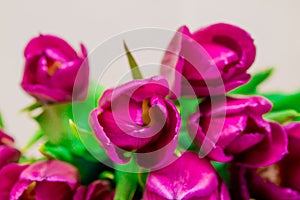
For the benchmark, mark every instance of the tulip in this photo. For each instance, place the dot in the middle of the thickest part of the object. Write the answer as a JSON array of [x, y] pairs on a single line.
[[8, 154], [244, 135], [280, 180], [9, 175], [52, 66], [211, 61], [42, 181], [136, 117], [189, 177], [99, 189]]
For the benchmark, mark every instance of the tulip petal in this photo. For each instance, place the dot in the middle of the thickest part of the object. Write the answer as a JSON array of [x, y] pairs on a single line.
[[231, 37], [42, 42], [189, 177], [214, 60], [115, 153], [5, 139], [8, 155], [9, 175], [269, 151]]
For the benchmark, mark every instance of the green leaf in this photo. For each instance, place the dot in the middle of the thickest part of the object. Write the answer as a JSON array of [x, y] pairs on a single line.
[[31, 107], [81, 110], [54, 123], [90, 143], [284, 101], [222, 169], [136, 73], [34, 139], [126, 182], [252, 86], [54, 119], [30, 160], [58, 152], [107, 175], [89, 170], [143, 179], [296, 119], [1, 122], [187, 107], [282, 116]]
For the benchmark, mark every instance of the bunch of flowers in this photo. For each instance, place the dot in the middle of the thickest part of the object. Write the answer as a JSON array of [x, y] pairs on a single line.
[[200, 129]]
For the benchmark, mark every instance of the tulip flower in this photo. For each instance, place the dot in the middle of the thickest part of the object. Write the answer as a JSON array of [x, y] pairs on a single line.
[[8, 154], [280, 180], [99, 189], [52, 66], [136, 117], [189, 177], [213, 60], [44, 180], [9, 175], [245, 136]]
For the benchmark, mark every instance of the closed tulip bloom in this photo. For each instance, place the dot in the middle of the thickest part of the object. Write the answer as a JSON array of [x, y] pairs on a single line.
[[9, 175], [280, 180], [45, 180], [212, 60], [245, 136], [51, 68], [137, 117], [99, 189], [8, 153], [189, 177]]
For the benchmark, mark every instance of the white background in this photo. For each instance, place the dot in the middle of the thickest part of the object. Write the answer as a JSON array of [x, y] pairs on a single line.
[[273, 24]]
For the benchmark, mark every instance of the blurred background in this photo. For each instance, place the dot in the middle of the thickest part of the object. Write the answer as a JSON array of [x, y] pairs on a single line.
[[274, 24]]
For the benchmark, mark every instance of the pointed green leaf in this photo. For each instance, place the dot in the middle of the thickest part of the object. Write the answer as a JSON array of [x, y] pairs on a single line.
[[284, 101], [1, 122], [94, 150], [126, 182], [282, 116], [57, 152], [31, 107], [222, 169], [107, 175], [136, 73], [29, 160], [252, 86], [33, 140]]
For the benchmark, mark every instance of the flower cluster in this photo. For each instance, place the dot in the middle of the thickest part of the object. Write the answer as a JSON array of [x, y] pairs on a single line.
[[201, 129]]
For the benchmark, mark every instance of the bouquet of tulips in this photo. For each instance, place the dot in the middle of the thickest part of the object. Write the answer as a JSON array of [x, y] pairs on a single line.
[[199, 129]]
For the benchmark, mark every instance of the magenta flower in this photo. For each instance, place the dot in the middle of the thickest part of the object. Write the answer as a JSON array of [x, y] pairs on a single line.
[[8, 154], [277, 181], [211, 60], [189, 177], [99, 189], [51, 68], [9, 175], [137, 117], [46, 180], [245, 136]]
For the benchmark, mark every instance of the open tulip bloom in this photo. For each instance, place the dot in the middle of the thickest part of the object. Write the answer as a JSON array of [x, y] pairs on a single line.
[[200, 129]]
